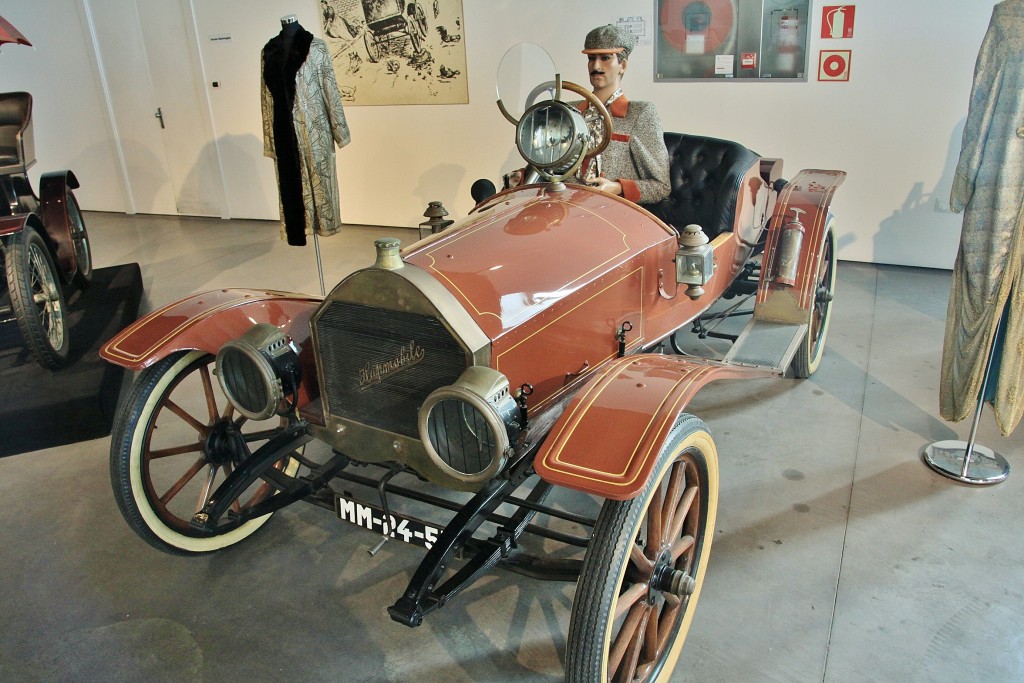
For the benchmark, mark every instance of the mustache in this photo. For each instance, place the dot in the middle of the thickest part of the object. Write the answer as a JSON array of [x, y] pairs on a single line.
[[595, 72]]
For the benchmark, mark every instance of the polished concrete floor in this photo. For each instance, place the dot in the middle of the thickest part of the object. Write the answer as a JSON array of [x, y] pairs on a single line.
[[838, 556]]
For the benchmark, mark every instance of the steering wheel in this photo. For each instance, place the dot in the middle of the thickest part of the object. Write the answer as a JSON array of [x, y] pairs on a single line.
[[606, 118]]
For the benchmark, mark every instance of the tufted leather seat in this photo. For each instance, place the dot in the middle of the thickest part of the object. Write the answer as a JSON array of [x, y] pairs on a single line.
[[706, 174], [17, 149]]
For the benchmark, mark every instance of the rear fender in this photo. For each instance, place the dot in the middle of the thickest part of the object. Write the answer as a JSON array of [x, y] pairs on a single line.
[[12, 225], [53, 189], [811, 191], [608, 439], [205, 321]]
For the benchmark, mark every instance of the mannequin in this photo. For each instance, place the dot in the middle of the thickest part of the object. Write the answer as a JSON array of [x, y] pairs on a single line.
[[303, 120], [988, 277]]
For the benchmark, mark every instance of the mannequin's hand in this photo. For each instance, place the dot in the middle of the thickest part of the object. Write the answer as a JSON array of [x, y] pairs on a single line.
[[609, 186]]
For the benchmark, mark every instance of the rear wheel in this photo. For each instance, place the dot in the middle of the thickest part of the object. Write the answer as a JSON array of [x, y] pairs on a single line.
[[645, 565], [812, 348], [37, 298], [80, 240], [168, 454], [373, 50]]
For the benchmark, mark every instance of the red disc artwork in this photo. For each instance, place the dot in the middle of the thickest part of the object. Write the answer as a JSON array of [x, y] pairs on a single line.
[[711, 20]]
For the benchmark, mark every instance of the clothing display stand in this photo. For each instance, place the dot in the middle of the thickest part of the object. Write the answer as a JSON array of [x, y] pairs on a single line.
[[319, 263], [966, 461]]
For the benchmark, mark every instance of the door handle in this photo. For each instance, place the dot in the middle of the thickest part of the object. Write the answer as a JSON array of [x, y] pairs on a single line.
[[160, 115]]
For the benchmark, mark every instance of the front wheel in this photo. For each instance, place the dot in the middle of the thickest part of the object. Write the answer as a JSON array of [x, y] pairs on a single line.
[[168, 454], [37, 298], [645, 565], [812, 348]]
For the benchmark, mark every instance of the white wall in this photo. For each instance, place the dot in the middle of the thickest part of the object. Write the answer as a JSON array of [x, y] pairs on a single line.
[[895, 127]]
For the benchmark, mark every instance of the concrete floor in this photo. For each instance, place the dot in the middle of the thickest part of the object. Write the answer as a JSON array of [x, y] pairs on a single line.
[[838, 555]]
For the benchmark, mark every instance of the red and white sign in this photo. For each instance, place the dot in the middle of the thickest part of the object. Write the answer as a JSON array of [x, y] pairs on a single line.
[[837, 21], [748, 60], [834, 65]]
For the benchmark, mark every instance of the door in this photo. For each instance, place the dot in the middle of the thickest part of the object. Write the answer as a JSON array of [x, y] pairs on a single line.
[[147, 52]]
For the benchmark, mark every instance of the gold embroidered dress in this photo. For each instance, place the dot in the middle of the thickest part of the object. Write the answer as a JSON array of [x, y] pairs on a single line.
[[989, 272]]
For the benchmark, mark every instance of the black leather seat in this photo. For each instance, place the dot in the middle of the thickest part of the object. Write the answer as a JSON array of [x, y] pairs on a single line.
[[17, 148], [706, 174]]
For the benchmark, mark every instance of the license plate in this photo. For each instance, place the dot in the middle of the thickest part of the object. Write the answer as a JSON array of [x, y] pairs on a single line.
[[404, 528]]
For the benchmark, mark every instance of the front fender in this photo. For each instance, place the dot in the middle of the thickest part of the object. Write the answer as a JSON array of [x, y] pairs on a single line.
[[608, 439], [206, 320]]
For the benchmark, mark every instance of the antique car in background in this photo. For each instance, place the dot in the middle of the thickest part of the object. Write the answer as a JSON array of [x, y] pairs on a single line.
[[43, 239], [519, 350]]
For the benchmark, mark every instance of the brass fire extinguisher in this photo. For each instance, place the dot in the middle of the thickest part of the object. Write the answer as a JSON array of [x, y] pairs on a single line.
[[790, 242]]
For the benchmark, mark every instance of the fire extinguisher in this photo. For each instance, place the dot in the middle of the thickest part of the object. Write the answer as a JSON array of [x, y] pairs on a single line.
[[837, 24], [790, 242]]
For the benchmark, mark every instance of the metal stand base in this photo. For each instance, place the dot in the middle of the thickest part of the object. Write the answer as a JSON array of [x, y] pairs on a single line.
[[964, 460], [947, 458]]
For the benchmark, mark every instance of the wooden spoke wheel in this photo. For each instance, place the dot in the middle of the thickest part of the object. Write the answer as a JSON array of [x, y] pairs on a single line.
[[170, 450], [812, 348], [643, 570]]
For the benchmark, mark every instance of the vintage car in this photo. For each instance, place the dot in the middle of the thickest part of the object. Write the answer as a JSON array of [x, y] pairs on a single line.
[[519, 350], [43, 239]]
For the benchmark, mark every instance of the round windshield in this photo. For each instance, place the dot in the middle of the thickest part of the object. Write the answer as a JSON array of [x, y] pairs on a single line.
[[526, 75]]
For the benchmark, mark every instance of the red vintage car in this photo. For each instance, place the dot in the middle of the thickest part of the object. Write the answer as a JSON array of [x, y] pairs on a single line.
[[524, 348]]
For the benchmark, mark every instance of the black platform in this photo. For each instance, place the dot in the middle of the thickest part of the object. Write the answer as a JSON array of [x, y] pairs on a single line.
[[42, 408]]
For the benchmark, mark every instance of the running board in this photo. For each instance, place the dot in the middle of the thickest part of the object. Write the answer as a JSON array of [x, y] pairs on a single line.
[[767, 344]]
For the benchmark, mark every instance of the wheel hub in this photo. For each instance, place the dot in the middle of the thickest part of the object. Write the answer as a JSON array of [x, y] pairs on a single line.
[[221, 443], [667, 579]]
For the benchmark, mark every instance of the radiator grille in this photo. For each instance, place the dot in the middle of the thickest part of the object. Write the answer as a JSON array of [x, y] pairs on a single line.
[[380, 365]]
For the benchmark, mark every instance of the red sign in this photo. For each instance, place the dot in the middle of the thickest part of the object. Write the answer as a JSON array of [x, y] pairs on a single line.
[[748, 60], [837, 21], [834, 65]]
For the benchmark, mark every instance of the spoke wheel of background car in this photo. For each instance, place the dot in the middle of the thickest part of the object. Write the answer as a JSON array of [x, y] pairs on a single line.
[[37, 298], [812, 348], [372, 48], [80, 238], [645, 565], [168, 454]]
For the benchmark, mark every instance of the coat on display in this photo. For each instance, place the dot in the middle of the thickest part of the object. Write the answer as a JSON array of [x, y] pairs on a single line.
[[302, 121], [988, 277]]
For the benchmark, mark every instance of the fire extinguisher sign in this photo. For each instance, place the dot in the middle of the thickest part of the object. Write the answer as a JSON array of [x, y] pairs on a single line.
[[834, 65], [837, 21]]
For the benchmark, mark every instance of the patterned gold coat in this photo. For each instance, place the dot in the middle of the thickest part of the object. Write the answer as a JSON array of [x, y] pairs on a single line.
[[989, 272], [302, 121]]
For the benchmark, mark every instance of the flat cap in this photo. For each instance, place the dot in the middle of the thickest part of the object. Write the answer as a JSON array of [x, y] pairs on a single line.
[[609, 39]]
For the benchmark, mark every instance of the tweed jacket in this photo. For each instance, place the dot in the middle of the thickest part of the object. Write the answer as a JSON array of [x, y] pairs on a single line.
[[988, 275], [636, 156], [302, 121]]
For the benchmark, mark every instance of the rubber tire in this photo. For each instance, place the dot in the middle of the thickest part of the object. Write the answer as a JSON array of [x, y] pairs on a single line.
[[604, 567], [131, 425], [35, 323], [83, 251], [812, 348]]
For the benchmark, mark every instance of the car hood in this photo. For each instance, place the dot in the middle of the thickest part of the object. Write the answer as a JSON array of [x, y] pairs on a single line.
[[523, 252]]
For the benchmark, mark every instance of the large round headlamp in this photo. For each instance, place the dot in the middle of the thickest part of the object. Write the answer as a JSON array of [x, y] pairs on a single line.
[[468, 427], [258, 370], [552, 137]]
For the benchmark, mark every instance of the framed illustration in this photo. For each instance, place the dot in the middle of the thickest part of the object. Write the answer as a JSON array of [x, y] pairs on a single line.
[[731, 39], [397, 51]]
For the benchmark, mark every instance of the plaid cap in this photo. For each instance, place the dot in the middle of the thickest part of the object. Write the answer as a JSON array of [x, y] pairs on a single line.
[[609, 39]]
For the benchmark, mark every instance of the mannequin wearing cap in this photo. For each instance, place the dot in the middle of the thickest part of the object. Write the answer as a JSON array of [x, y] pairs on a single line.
[[635, 164]]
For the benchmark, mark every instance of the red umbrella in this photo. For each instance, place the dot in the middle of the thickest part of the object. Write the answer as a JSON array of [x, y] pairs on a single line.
[[9, 34]]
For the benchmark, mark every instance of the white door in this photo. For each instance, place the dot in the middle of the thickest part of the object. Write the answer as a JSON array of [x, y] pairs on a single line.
[[147, 50]]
